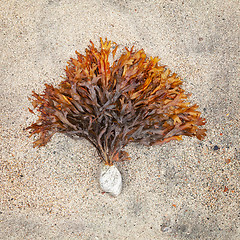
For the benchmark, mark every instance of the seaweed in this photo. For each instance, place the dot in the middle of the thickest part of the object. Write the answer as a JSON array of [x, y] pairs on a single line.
[[134, 99]]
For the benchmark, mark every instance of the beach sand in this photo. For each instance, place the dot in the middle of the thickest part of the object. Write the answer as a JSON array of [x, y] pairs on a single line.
[[180, 190]]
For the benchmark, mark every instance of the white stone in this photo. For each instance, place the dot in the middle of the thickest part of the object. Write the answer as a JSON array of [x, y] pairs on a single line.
[[111, 180]]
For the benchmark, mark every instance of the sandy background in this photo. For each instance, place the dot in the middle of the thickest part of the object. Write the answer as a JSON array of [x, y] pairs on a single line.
[[182, 190]]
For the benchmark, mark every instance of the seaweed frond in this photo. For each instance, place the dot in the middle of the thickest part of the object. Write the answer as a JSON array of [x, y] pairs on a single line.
[[132, 100]]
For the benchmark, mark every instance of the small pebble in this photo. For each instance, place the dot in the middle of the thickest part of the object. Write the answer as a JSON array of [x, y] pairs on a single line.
[[111, 180], [216, 148]]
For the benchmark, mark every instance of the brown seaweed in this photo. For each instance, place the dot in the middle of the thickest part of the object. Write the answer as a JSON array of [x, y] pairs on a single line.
[[134, 99]]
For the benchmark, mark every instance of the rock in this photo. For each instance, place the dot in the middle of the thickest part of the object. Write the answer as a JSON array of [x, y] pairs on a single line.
[[111, 180]]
